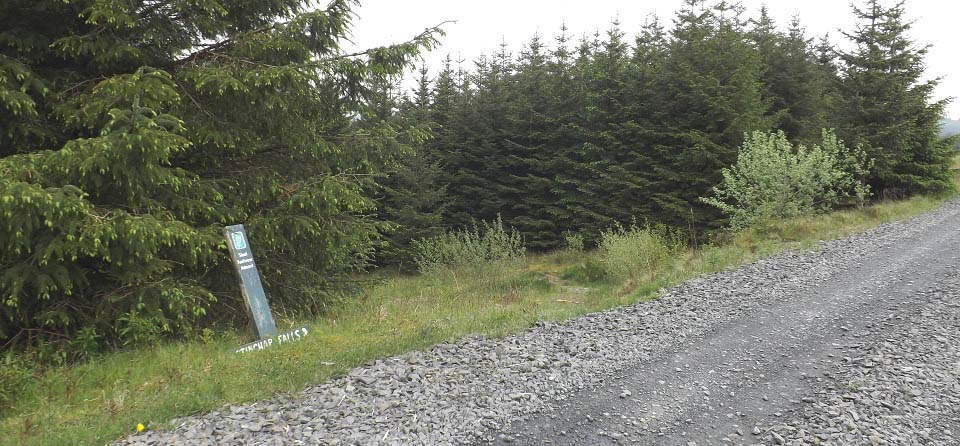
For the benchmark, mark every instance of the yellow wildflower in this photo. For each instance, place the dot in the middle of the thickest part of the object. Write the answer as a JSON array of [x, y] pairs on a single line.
[[139, 427]]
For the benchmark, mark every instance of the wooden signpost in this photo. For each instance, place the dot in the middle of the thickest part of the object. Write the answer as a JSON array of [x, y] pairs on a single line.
[[254, 298]]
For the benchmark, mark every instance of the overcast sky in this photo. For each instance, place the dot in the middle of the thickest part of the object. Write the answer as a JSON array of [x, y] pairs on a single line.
[[482, 24]]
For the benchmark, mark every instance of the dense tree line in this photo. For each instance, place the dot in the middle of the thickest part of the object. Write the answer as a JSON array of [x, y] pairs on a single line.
[[574, 136], [134, 130]]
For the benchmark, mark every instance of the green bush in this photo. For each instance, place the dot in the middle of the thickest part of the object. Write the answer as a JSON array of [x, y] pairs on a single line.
[[476, 245], [772, 179], [628, 253]]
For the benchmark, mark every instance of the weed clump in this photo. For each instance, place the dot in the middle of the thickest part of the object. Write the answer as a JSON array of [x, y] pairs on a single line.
[[480, 244], [636, 252], [573, 242]]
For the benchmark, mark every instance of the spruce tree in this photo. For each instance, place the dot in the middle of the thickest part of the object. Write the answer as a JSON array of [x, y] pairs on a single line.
[[767, 41], [806, 90], [479, 172], [641, 131], [452, 112], [535, 115], [596, 182], [411, 198], [887, 106], [133, 131], [793, 87], [623, 140], [574, 175], [560, 174], [712, 96]]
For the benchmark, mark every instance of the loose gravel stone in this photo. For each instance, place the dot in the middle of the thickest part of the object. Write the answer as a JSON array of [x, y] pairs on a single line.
[[475, 389], [903, 390]]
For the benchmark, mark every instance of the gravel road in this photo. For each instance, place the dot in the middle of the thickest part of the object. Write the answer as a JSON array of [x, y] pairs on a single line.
[[856, 342]]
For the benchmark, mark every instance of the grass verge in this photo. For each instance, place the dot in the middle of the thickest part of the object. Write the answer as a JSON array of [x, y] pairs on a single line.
[[102, 400]]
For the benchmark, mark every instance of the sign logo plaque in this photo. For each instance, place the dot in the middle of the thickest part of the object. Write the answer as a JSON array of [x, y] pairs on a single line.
[[239, 241]]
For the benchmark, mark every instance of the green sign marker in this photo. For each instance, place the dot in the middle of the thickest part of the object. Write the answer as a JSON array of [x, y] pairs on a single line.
[[250, 286]]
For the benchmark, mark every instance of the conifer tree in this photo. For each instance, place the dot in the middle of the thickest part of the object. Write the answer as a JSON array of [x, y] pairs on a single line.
[[711, 82], [767, 42], [558, 173], [532, 141], [479, 172], [623, 140], [641, 130], [412, 199], [574, 175], [887, 106], [793, 87], [133, 131], [599, 189], [806, 89], [452, 112]]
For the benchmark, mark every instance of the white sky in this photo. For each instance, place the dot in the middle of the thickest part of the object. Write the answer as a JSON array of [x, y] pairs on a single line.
[[482, 24]]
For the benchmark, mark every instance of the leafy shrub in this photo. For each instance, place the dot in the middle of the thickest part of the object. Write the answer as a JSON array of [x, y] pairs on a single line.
[[772, 179], [573, 241], [479, 244], [627, 253], [85, 342]]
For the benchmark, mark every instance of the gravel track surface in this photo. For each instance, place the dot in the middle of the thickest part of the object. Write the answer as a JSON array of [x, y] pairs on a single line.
[[794, 349], [902, 387]]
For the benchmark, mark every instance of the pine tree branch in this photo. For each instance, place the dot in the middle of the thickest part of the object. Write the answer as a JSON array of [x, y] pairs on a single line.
[[436, 29], [212, 49]]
